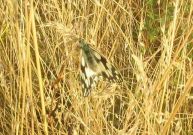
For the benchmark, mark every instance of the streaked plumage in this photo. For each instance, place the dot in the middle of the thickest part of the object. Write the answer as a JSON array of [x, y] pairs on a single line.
[[95, 67]]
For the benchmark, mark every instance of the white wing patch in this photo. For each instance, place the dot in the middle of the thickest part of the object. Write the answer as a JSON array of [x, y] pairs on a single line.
[[83, 62], [89, 72]]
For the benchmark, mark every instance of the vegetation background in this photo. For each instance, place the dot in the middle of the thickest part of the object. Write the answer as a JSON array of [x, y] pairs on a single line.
[[150, 42]]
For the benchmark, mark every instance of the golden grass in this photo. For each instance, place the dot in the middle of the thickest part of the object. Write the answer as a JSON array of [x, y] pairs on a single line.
[[151, 43]]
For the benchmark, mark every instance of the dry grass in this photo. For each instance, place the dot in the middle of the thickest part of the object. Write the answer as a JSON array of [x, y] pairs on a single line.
[[151, 43]]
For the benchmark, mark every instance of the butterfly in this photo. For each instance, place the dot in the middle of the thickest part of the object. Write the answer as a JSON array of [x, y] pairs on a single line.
[[95, 67]]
